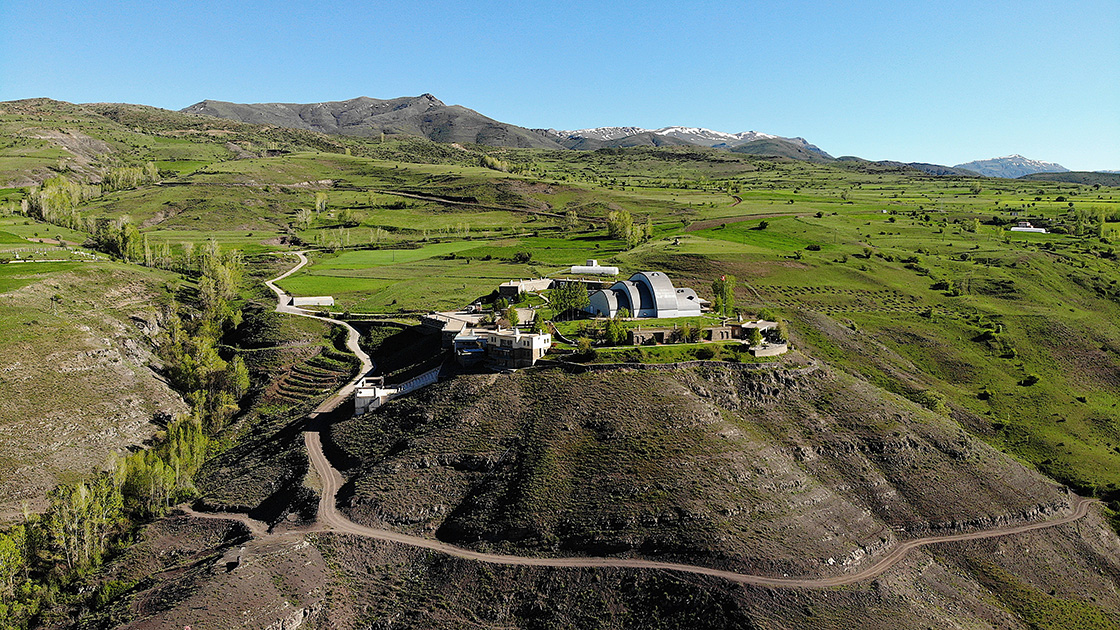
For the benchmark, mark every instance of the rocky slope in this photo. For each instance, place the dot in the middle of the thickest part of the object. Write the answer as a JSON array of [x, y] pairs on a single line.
[[76, 375], [760, 471]]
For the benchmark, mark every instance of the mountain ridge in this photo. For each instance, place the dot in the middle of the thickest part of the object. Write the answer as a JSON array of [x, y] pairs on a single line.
[[1011, 166], [423, 115], [427, 116]]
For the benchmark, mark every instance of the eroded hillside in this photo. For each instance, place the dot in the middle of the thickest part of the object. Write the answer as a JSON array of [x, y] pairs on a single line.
[[76, 371], [804, 471]]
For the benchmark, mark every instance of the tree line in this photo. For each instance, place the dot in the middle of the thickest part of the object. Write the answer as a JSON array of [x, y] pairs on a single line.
[[45, 555], [621, 226]]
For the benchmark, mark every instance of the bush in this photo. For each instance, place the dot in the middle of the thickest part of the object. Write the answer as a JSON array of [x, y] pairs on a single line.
[[584, 350], [768, 314], [932, 400], [1031, 379], [705, 353]]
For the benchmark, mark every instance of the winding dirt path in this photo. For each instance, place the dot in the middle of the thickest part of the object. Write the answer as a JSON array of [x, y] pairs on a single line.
[[330, 519], [283, 305]]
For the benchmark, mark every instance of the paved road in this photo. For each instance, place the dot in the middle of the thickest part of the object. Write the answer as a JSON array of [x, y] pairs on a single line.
[[330, 519]]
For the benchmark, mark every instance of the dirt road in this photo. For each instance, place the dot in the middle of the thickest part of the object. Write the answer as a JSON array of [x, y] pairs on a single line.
[[283, 305], [330, 519]]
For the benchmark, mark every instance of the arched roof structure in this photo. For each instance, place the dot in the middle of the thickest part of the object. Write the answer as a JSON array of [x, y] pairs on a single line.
[[661, 290], [645, 294]]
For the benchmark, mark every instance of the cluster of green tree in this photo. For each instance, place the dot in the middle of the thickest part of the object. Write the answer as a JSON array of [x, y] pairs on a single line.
[[686, 333], [621, 226], [347, 218], [614, 330], [42, 557], [122, 239], [568, 300], [56, 201], [125, 177], [86, 521], [1090, 222], [118, 237], [210, 383], [723, 292], [493, 163]]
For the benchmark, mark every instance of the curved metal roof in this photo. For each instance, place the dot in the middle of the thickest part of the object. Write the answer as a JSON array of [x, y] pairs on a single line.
[[661, 289], [629, 296], [605, 302]]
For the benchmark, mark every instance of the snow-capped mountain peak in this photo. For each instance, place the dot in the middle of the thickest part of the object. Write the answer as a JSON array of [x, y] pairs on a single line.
[[692, 135], [602, 133], [1013, 165], [699, 135]]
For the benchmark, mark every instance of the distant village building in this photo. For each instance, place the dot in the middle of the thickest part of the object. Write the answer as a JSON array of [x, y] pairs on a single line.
[[645, 294], [1025, 226]]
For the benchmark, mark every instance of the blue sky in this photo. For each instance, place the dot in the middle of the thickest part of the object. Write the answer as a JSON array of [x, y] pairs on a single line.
[[932, 81]]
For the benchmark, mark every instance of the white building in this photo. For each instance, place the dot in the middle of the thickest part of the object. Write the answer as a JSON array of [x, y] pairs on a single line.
[[592, 268], [1025, 226], [506, 347], [321, 300]]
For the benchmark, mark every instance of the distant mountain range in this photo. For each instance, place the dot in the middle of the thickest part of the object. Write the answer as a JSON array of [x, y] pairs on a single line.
[[1012, 166], [763, 143], [427, 116]]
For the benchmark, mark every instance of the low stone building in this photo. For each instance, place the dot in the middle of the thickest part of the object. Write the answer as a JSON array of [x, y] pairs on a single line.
[[514, 288], [320, 300]]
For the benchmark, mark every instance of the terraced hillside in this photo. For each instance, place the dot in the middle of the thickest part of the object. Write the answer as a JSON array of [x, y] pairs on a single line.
[[295, 364]]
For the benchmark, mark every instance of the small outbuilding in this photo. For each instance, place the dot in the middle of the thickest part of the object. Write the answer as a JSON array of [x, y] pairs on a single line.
[[593, 268]]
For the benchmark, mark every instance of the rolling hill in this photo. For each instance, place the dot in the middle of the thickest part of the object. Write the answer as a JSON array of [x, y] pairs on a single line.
[[782, 147], [1087, 178]]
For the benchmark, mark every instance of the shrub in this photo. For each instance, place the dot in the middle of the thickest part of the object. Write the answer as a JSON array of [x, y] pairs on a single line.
[[932, 400], [585, 351]]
